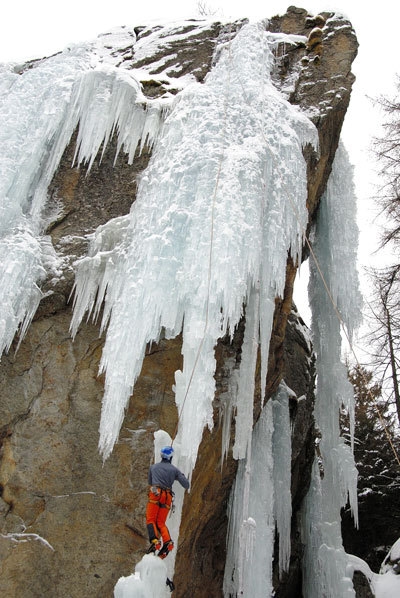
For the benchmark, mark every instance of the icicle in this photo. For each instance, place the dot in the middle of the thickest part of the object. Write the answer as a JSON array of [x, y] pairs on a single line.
[[107, 100], [282, 457], [227, 405], [245, 393], [31, 113], [38, 115]]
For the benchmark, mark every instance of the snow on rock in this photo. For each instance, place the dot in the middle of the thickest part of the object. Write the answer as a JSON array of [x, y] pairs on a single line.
[[386, 584]]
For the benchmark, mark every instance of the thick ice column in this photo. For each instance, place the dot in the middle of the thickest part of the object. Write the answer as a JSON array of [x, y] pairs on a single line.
[[261, 499], [335, 251], [250, 542]]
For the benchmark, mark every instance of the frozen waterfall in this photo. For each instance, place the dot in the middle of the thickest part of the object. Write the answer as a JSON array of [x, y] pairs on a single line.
[[213, 223]]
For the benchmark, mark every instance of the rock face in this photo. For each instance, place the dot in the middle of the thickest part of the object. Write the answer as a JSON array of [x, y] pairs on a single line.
[[71, 525]]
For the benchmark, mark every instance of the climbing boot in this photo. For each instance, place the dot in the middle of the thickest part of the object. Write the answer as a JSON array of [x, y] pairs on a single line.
[[166, 549], [154, 545]]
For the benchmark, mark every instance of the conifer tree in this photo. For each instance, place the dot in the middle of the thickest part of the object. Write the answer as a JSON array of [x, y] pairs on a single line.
[[374, 433], [379, 473]]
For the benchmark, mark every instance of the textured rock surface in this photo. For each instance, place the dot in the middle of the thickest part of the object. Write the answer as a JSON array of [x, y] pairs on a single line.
[[54, 483], [54, 487]]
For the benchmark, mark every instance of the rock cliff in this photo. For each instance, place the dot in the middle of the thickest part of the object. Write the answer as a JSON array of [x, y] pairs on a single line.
[[71, 525]]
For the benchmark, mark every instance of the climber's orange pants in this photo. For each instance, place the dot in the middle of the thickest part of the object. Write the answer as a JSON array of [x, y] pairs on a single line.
[[157, 510]]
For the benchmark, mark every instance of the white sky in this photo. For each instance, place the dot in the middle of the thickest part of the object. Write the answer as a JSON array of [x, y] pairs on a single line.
[[36, 28]]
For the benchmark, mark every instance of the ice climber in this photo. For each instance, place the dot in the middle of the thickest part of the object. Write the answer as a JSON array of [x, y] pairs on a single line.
[[161, 477]]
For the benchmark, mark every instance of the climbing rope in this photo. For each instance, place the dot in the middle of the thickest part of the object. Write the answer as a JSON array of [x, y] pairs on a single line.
[[312, 253], [341, 322], [336, 310], [339, 316], [212, 221], [350, 343]]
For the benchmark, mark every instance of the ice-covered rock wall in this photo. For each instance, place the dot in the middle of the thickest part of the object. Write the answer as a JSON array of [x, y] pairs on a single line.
[[218, 224]]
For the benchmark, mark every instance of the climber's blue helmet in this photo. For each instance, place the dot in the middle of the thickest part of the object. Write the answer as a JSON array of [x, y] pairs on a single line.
[[167, 452]]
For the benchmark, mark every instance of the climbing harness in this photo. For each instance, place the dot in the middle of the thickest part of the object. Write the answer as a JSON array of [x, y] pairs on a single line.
[[163, 497]]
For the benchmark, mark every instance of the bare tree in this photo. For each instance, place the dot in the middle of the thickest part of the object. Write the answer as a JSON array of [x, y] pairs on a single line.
[[385, 335], [385, 332], [205, 10], [387, 152]]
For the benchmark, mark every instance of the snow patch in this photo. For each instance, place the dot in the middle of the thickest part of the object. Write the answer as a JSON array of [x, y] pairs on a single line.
[[148, 580]]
